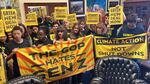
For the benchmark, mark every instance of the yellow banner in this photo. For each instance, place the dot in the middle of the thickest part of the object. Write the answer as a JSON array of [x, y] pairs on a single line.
[[2, 31], [58, 61], [60, 13], [116, 15], [92, 18], [2, 69], [31, 19], [130, 47], [72, 18], [9, 17]]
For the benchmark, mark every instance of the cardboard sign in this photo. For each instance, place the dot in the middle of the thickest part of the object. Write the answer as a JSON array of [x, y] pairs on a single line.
[[9, 17], [2, 69], [2, 31], [60, 13], [116, 15], [31, 19], [92, 18], [72, 18]]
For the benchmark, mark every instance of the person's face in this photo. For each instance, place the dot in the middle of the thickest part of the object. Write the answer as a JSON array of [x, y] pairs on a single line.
[[106, 20], [131, 25], [76, 29], [60, 33], [55, 26], [10, 36], [35, 29], [49, 18], [41, 35], [93, 26], [17, 35], [3, 39], [82, 25], [23, 30], [99, 30], [66, 23]]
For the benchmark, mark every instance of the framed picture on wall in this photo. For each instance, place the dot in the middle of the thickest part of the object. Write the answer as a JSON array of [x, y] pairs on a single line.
[[77, 6], [100, 4]]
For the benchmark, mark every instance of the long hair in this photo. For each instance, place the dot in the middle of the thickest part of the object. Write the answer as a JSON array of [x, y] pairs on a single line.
[[72, 35], [104, 28], [61, 29]]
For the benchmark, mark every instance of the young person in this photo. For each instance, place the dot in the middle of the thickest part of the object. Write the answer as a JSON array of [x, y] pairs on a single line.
[[42, 38], [12, 47], [76, 32]]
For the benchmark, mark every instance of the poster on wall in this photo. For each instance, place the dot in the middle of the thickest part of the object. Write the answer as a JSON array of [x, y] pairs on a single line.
[[40, 10], [77, 7]]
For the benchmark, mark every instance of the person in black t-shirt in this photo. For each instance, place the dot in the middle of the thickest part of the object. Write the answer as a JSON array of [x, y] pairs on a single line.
[[12, 47], [42, 39]]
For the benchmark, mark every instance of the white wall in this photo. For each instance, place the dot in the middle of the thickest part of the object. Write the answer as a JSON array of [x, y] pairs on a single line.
[[22, 10]]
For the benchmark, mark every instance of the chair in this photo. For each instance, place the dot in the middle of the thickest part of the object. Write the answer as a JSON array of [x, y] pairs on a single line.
[[116, 70], [27, 80]]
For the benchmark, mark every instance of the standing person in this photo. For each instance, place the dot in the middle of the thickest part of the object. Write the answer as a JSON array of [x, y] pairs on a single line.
[[76, 32], [34, 30], [84, 28], [130, 28], [42, 38], [60, 35], [53, 30], [67, 27], [101, 29], [12, 47], [55, 25], [9, 36], [25, 33]]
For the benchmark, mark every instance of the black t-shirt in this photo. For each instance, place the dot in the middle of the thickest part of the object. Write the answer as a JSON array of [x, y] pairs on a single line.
[[9, 47], [12, 44], [125, 31]]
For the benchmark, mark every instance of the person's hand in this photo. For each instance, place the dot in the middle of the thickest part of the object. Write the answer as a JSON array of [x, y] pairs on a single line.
[[39, 45], [49, 44], [4, 55], [54, 41], [34, 46], [14, 50]]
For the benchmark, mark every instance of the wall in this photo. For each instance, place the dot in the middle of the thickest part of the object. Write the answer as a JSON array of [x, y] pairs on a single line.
[[22, 9]]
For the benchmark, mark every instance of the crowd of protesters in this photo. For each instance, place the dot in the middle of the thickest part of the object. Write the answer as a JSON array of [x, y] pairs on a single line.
[[39, 35]]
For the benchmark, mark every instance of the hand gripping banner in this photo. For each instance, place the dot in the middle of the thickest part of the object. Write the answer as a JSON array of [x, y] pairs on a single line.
[[58, 61], [130, 47]]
